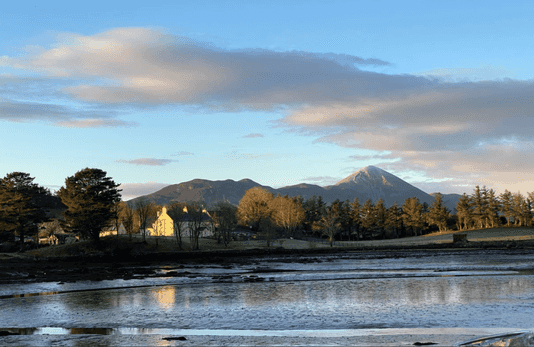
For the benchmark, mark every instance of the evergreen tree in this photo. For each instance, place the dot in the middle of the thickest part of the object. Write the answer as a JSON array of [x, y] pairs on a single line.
[[380, 217], [90, 197], [530, 206], [477, 202], [394, 218], [464, 212], [491, 209], [19, 210], [438, 214], [506, 205], [355, 217], [517, 208], [314, 210], [412, 215], [368, 220]]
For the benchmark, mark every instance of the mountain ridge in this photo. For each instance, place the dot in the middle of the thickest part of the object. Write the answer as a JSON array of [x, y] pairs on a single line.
[[369, 182]]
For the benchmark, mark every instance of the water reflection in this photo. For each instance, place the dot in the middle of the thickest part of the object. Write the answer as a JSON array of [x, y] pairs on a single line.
[[424, 300], [165, 296]]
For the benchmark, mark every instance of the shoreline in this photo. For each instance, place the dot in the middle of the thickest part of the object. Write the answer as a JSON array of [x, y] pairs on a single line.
[[20, 268]]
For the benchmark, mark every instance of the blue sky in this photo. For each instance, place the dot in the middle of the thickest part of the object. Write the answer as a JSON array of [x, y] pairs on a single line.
[[281, 92]]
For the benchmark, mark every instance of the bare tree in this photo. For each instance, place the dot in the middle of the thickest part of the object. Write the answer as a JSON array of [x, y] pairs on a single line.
[[330, 223], [268, 229], [224, 215], [177, 214], [197, 222], [158, 229], [128, 220], [117, 209], [143, 208], [254, 206], [286, 213]]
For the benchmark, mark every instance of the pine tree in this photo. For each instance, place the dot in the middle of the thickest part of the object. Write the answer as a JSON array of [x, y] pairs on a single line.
[[394, 218], [90, 197], [464, 212], [491, 209], [19, 210], [412, 215], [380, 217], [367, 213], [530, 206], [517, 208], [506, 205], [477, 202], [355, 217], [438, 213]]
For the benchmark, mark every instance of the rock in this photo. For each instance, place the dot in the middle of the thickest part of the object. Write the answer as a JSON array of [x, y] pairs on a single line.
[[459, 237], [7, 333], [172, 338]]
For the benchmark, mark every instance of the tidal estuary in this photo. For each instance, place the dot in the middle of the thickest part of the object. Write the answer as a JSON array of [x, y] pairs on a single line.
[[402, 298]]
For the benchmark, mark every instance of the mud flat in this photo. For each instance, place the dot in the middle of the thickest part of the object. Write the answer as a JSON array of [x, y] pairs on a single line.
[[273, 297]]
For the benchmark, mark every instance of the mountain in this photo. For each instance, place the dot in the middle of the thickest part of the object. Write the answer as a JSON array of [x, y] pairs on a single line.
[[202, 190], [369, 182], [374, 183]]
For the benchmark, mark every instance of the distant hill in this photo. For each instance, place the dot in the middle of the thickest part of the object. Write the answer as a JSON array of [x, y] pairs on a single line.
[[369, 182]]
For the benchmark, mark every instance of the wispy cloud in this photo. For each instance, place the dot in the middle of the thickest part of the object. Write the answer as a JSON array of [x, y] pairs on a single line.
[[247, 156], [322, 180], [18, 103], [483, 73], [147, 161], [95, 123], [181, 153], [253, 135]]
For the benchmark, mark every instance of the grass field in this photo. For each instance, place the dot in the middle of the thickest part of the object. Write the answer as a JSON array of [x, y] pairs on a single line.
[[169, 244]]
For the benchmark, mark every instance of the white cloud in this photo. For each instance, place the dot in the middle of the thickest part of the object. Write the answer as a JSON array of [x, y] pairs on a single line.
[[150, 66], [253, 135], [147, 161], [94, 123], [451, 127], [180, 153], [482, 73]]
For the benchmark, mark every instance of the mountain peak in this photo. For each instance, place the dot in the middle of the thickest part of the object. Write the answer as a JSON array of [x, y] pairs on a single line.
[[368, 174]]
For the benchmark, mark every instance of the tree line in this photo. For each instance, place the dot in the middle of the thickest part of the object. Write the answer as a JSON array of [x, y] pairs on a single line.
[[92, 201], [261, 211], [137, 217], [89, 196]]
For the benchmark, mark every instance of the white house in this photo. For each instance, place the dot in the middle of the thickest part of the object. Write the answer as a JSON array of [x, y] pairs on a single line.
[[164, 224]]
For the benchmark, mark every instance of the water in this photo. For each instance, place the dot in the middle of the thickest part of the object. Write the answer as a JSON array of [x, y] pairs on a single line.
[[440, 293]]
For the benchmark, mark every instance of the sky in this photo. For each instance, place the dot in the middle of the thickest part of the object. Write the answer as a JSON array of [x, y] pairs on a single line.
[[438, 93]]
